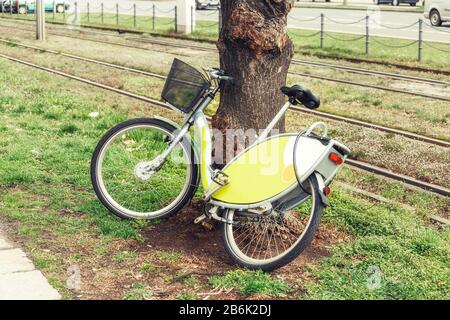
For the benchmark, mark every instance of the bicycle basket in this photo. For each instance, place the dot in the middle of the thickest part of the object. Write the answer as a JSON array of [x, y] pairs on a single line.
[[184, 86]]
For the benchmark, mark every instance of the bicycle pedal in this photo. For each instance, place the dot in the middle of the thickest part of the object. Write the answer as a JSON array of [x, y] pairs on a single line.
[[200, 219], [208, 226], [220, 177]]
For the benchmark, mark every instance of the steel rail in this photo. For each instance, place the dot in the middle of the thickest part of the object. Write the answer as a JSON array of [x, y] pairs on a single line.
[[371, 72], [372, 86], [85, 59], [93, 40], [374, 126], [87, 81], [399, 177]]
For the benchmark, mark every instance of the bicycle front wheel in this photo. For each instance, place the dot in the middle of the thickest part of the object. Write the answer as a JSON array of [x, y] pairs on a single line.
[[126, 179]]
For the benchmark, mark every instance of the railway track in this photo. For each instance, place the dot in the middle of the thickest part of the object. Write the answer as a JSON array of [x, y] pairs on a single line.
[[433, 188], [294, 61], [391, 75], [345, 68], [320, 55], [407, 134], [92, 40]]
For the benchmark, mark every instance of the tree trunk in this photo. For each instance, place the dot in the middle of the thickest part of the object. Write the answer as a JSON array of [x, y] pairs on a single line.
[[256, 51]]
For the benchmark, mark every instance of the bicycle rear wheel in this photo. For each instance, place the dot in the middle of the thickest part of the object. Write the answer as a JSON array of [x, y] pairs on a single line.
[[121, 176], [271, 241]]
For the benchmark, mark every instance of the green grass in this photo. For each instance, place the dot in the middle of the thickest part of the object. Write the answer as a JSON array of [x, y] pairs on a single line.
[[187, 296], [170, 255], [148, 267], [138, 291], [191, 281], [393, 255], [250, 282], [380, 48], [124, 256], [44, 159]]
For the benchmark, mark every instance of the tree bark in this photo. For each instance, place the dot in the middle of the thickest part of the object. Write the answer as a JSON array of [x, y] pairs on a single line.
[[256, 51]]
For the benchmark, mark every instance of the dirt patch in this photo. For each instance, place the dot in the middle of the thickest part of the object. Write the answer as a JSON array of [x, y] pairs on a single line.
[[201, 255], [204, 254]]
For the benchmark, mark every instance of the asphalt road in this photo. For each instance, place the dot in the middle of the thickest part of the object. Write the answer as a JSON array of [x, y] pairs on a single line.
[[381, 23]]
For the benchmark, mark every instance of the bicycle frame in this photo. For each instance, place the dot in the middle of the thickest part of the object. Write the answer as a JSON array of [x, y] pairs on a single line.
[[257, 192], [319, 165], [203, 137], [202, 149]]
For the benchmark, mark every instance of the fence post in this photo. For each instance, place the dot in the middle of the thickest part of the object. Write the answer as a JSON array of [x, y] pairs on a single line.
[[184, 16], [367, 34], [321, 30], [11, 7], [420, 40], [64, 12], [220, 20], [76, 10], [176, 20], [117, 14], [153, 17], [192, 19], [26, 7], [40, 20], [54, 10], [88, 12], [134, 15], [101, 11]]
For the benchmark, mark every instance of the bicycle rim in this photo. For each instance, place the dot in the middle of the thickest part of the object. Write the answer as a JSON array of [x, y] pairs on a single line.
[[121, 159], [266, 239]]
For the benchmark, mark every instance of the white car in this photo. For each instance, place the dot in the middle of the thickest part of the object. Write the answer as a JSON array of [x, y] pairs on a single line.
[[205, 4], [437, 11]]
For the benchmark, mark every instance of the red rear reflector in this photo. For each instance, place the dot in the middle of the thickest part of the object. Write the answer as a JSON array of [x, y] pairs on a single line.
[[335, 158], [327, 190]]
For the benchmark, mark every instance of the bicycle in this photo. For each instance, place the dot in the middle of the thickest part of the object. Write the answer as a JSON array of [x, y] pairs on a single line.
[[150, 168]]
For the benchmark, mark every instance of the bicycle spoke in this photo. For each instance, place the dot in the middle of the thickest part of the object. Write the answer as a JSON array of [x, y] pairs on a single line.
[[132, 150], [265, 237]]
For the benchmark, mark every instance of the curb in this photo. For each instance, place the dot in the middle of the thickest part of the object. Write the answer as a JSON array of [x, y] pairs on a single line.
[[19, 279]]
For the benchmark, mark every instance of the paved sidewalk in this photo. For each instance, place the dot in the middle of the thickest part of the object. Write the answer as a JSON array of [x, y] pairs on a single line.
[[19, 280]]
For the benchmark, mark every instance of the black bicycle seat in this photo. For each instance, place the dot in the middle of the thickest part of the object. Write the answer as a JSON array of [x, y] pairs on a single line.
[[298, 94]]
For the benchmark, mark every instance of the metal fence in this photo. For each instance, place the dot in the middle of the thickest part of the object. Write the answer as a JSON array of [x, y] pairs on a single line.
[[418, 27], [154, 18], [367, 38], [127, 16]]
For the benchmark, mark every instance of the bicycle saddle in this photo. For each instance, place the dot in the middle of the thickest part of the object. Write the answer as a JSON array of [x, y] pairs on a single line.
[[298, 94]]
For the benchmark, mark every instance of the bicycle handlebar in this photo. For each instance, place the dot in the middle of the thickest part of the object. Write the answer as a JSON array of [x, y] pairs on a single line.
[[219, 74]]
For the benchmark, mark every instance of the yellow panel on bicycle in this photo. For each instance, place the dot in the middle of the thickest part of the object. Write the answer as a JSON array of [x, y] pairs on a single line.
[[260, 173]]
